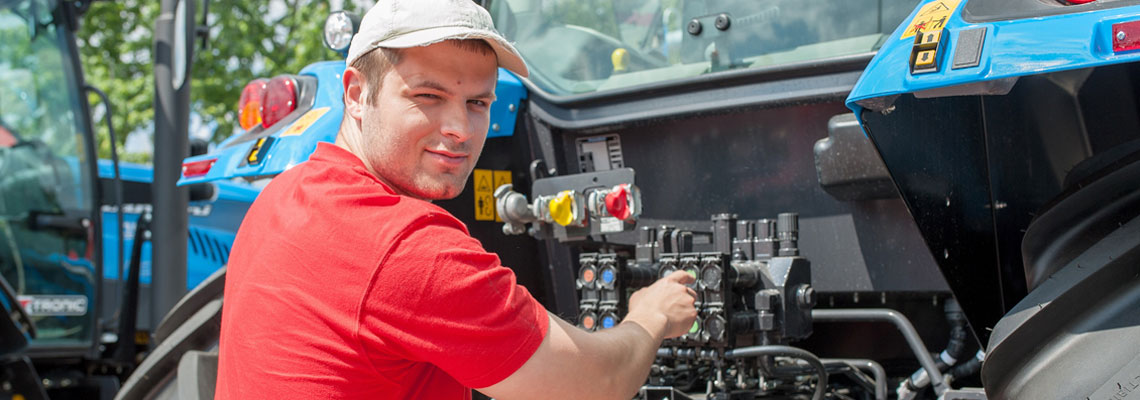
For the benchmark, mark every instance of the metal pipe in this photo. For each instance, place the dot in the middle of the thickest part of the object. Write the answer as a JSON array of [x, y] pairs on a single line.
[[869, 366], [173, 55], [901, 322], [786, 351]]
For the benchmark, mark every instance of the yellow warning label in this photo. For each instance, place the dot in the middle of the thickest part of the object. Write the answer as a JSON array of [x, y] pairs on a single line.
[[484, 195], [501, 178], [305, 121], [932, 16]]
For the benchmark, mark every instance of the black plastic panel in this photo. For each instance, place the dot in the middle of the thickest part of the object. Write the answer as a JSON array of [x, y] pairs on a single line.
[[759, 161], [1003, 10], [848, 165], [938, 161], [976, 170]]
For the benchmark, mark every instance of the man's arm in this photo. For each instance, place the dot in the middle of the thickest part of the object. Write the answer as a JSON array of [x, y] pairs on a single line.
[[608, 364]]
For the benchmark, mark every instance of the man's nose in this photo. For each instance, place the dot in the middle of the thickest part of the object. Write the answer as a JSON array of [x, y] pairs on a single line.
[[456, 124]]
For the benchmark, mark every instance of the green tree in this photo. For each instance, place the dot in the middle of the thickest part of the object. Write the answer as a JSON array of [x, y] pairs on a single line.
[[246, 41]]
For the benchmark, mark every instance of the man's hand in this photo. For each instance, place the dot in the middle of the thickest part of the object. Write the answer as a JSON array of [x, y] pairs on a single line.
[[615, 361], [665, 308]]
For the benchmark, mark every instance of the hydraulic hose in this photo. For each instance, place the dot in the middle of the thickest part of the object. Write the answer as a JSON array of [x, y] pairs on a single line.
[[968, 368], [910, 387], [786, 351]]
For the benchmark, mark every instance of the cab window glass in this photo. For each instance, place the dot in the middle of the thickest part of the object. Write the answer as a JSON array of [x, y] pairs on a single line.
[[582, 46], [44, 172]]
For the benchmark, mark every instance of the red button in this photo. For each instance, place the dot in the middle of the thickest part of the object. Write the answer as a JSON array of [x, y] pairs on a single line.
[[617, 202]]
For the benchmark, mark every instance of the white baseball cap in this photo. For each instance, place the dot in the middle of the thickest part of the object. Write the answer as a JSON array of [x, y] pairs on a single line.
[[410, 23]]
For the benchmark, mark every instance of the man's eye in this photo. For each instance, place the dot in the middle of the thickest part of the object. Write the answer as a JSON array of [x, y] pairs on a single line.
[[428, 96], [479, 103]]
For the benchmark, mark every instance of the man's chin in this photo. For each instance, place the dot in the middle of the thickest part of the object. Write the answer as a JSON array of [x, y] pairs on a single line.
[[436, 191]]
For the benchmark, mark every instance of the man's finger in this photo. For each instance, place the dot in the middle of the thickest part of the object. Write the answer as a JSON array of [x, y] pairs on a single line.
[[681, 277]]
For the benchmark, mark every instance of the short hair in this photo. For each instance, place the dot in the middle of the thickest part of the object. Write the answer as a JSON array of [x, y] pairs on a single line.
[[377, 62]]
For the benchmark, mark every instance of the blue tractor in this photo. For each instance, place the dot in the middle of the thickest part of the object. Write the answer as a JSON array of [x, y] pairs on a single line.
[[875, 196], [72, 317]]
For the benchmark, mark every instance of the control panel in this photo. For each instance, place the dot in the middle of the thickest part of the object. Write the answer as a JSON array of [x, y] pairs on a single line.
[[753, 288], [569, 208]]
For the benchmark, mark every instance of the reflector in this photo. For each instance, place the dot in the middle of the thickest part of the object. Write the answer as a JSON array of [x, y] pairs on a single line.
[[279, 100], [197, 168]]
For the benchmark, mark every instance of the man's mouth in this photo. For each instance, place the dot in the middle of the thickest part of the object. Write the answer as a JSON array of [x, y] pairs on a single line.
[[447, 157]]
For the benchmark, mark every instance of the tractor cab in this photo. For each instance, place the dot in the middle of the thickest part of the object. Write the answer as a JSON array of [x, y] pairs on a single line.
[[48, 199]]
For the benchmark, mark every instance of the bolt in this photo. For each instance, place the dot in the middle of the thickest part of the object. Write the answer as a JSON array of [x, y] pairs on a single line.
[[495, 127], [722, 22], [511, 107], [695, 27], [806, 296], [1120, 35]]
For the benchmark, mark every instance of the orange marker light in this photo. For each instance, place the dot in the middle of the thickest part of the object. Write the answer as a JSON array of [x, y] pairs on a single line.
[[249, 107]]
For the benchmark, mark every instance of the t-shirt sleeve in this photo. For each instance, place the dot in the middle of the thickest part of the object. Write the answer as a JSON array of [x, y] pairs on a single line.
[[440, 298]]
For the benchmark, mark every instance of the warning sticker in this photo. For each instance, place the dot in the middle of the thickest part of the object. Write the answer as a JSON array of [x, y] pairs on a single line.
[[501, 178], [484, 195], [931, 16], [305, 121]]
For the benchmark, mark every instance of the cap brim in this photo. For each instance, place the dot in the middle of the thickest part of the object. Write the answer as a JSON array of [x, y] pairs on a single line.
[[509, 58]]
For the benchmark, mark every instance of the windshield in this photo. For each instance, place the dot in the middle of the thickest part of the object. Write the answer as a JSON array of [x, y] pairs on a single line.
[[43, 171], [582, 46]]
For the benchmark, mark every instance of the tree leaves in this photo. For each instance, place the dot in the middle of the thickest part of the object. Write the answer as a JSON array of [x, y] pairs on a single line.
[[248, 39]]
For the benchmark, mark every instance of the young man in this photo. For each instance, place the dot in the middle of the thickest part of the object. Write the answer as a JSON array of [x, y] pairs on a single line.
[[346, 282]]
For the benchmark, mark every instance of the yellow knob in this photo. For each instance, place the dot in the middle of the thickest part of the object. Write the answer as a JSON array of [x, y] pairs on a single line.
[[620, 59], [562, 208]]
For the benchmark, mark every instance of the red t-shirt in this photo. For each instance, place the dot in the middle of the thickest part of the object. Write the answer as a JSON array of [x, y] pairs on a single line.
[[338, 288]]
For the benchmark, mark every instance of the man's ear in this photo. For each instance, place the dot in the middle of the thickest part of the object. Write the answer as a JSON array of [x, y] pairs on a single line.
[[354, 96]]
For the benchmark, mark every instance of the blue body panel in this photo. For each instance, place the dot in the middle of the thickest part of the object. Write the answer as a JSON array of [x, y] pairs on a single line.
[[509, 93], [213, 225], [1011, 49], [287, 151]]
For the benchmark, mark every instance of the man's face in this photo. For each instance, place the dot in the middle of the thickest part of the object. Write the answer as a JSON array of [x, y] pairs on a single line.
[[425, 130]]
